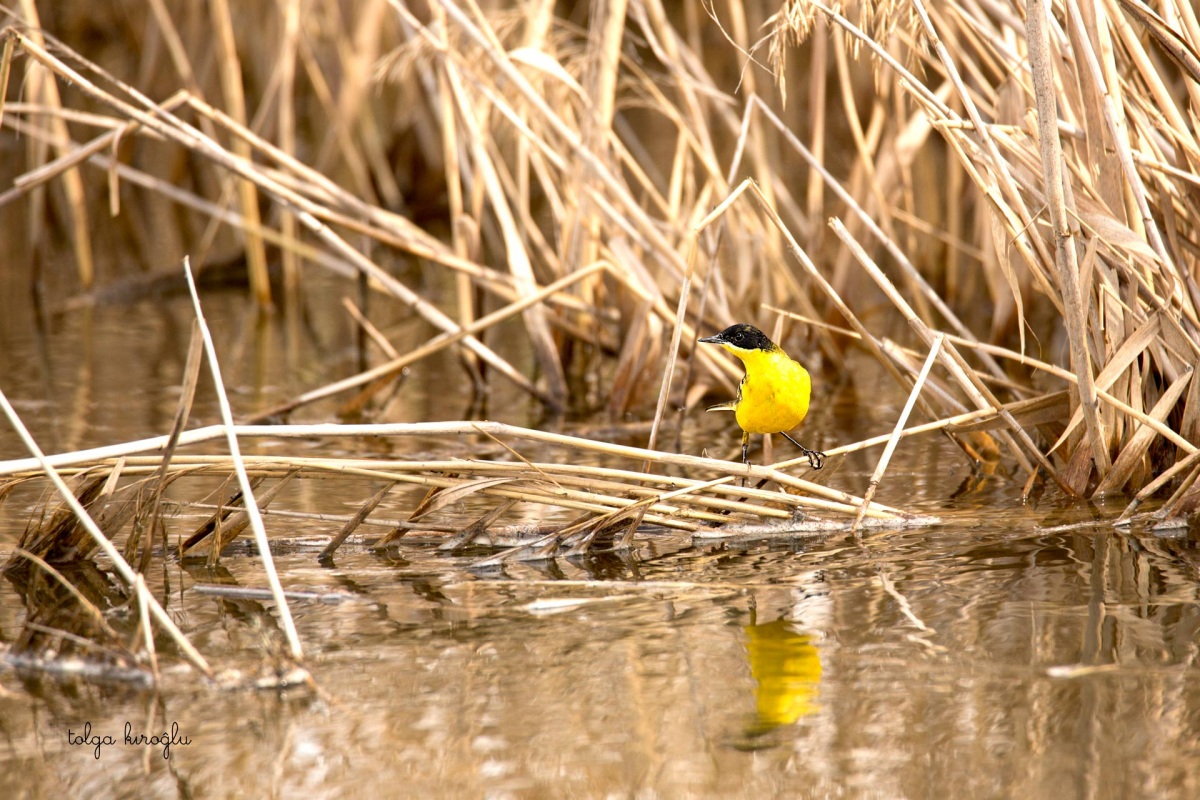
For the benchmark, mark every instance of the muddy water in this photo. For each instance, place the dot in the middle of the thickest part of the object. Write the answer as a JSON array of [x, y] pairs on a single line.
[[1012, 651]]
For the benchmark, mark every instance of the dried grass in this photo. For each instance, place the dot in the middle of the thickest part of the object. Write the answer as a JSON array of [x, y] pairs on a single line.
[[1019, 191]]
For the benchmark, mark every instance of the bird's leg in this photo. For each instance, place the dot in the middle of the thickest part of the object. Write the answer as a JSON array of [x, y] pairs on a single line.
[[745, 456], [816, 459]]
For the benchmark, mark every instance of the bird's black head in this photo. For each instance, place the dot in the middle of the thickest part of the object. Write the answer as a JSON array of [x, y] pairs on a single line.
[[742, 337]]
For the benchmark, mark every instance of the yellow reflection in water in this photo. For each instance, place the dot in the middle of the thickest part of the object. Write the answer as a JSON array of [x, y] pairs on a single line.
[[787, 667]]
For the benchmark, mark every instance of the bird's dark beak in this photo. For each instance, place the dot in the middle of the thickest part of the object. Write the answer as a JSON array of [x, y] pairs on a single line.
[[711, 339]]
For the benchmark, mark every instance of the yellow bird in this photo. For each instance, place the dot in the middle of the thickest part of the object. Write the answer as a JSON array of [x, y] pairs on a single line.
[[774, 393]]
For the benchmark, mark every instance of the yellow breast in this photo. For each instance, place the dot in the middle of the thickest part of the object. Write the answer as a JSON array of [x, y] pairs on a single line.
[[774, 394]]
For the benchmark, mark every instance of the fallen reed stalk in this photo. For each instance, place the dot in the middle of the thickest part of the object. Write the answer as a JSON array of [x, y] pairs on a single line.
[[20, 467]]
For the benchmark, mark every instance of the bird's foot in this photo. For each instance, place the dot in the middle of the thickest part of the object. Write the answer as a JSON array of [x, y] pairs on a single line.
[[816, 459]]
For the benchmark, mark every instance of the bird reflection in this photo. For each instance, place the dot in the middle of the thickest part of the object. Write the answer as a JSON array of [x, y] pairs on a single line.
[[787, 667]]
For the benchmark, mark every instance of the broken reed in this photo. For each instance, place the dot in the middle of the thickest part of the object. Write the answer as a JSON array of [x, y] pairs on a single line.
[[673, 494], [965, 152]]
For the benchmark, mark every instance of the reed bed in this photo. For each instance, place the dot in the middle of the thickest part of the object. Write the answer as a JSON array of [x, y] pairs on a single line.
[[995, 201]]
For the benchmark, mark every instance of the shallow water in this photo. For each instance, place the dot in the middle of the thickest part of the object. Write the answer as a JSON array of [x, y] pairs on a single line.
[[1014, 650]]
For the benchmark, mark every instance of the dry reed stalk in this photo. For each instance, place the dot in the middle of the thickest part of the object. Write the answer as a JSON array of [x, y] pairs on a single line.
[[628, 213], [481, 476], [126, 572], [251, 506], [230, 67], [92, 152], [353, 523], [628, 482], [604, 502], [373, 333], [45, 90], [443, 340], [912, 274], [287, 137], [730, 470], [195, 139], [1135, 449], [229, 522], [307, 516], [191, 377], [5, 70], [601, 71], [967, 379], [605, 496], [94, 613], [142, 591], [540, 133], [517, 254], [890, 448], [1044, 407], [461, 225], [830, 292], [1066, 256], [492, 281]]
